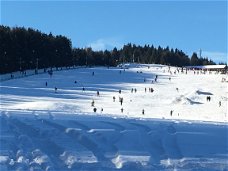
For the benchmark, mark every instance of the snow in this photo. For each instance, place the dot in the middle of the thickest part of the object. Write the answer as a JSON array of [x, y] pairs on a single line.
[[46, 130], [208, 67]]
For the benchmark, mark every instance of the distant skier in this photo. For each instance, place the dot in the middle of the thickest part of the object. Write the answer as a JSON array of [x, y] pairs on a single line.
[[121, 100], [132, 90], [102, 110], [121, 110], [83, 89], [171, 112], [208, 98], [177, 89], [92, 103], [55, 89], [114, 98], [143, 111], [135, 90], [75, 82], [119, 91], [98, 93], [220, 103], [46, 83], [92, 73], [145, 90], [95, 110]]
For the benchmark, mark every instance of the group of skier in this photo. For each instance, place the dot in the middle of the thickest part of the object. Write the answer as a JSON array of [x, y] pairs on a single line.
[[133, 90]]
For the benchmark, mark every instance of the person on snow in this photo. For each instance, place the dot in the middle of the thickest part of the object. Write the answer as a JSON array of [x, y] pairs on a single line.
[[121, 110], [171, 112], [143, 111], [92, 103], [121, 101], [114, 98]]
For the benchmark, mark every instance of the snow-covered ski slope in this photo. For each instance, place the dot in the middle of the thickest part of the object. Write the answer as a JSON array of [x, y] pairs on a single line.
[[31, 95], [41, 129]]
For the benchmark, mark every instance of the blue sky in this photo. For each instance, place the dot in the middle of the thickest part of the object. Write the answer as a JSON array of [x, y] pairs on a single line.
[[186, 25]]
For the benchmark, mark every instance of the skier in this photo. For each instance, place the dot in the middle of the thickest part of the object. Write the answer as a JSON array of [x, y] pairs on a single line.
[[135, 90], [83, 89], [145, 90], [208, 98], [121, 110], [119, 91], [114, 98], [220, 103], [98, 93], [121, 101], [177, 89], [46, 83], [171, 112], [143, 111], [92, 73], [92, 103], [132, 90], [55, 89], [94, 110], [102, 110]]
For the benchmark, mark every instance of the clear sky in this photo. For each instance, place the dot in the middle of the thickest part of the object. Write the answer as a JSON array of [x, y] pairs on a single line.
[[186, 25]]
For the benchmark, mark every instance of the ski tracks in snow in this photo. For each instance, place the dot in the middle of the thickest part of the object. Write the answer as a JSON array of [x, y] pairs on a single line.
[[77, 143]]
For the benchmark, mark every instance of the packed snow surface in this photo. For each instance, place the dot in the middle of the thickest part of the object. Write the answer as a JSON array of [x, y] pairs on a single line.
[[168, 120]]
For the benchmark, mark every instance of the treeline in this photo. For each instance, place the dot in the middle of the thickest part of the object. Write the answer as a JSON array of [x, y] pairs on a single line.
[[22, 49]]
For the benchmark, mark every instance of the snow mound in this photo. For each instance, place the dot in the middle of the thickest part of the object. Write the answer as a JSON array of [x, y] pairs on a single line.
[[127, 160], [183, 100]]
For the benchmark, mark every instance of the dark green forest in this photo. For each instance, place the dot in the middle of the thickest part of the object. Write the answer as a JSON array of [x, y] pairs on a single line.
[[26, 48]]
